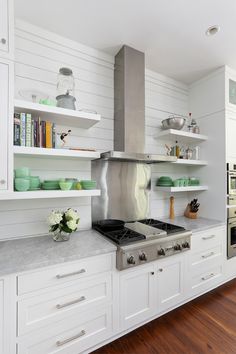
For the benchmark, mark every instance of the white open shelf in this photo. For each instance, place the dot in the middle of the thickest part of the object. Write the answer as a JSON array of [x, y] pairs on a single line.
[[43, 194], [191, 162], [181, 189], [180, 135], [44, 152], [58, 115]]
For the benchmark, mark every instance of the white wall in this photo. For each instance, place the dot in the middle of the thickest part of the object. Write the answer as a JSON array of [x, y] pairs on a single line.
[[38, 56], [164, 97], [207, 101]]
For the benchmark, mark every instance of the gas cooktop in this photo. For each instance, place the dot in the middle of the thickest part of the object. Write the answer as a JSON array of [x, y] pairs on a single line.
[[133, 231], [143, 241]]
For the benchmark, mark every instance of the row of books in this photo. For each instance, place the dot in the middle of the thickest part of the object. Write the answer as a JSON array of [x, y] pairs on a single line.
[[29, 131]]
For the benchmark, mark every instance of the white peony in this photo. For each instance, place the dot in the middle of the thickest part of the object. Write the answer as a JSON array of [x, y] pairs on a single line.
[[54, 218], [71, 215], [72, 224]]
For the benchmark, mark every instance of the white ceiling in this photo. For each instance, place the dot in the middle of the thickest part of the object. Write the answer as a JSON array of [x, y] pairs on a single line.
[[170, 32]]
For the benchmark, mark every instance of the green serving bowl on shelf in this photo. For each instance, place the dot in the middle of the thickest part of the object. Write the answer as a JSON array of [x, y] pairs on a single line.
[[164, 181], [88, 184]]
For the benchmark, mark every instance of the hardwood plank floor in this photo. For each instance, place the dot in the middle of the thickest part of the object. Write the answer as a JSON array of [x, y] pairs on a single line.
[[205, 325]]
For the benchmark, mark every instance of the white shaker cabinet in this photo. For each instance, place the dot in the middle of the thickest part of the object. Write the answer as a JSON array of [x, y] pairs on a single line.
[[7, 316], [170, 282], [137, 295], [6, 28], [6, 87]]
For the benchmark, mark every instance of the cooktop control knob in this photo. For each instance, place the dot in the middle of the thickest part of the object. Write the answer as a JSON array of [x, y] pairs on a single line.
[[131, 260], [177, 247], [161, 252], [185, 245], [143, 256]]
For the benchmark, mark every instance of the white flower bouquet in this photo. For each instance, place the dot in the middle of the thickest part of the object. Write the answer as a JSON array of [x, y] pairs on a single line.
[[62, 224]]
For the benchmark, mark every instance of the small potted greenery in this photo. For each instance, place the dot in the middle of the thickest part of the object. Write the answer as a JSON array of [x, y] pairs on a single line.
[[63, 223]]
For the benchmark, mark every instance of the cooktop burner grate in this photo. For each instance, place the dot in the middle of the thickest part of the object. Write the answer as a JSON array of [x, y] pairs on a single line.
[[121, 236], [169, 228]]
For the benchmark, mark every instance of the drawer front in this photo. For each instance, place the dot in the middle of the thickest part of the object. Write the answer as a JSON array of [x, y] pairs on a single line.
[[62, 273], [207, 239], [207, 279], [73, 335], [200, 261], [44, 309]]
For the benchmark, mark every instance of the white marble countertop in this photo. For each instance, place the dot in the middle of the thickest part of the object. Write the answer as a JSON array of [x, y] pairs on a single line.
[[36, 252], [195, 225]]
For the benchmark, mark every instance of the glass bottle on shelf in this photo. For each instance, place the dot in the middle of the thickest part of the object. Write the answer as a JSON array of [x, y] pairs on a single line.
[[65, 89]]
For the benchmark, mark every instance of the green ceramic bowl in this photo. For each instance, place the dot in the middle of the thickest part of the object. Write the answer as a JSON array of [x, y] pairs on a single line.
[[22, 184], [22, 172], [65, 185], [88, 184]]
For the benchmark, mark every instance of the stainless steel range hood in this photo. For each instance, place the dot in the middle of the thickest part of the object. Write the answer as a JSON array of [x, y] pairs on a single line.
[[129, 110], [136, 157]]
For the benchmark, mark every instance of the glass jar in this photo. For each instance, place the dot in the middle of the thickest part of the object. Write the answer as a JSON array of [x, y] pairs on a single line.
[[65, 82]]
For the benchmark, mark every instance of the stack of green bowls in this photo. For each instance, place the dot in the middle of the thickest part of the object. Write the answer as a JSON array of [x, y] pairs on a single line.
[[22, 179], [164, 181], [50, 185], [88, 184]]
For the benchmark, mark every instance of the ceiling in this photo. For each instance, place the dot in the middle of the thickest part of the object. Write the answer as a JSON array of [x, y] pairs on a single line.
[[170, 32]]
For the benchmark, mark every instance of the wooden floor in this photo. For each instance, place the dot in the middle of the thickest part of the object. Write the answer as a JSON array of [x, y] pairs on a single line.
[[205, 325]]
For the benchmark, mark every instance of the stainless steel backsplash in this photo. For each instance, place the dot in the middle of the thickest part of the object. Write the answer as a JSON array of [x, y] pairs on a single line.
[[125, 190]]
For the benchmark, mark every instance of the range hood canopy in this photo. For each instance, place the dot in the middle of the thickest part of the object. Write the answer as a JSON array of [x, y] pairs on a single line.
[[129, 110], [136, 157]]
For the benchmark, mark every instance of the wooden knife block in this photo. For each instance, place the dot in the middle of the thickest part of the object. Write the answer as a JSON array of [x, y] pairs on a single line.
[[190, 214]]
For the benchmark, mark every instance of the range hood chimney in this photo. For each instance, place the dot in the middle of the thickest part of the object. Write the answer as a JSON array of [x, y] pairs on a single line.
[[129, 105]]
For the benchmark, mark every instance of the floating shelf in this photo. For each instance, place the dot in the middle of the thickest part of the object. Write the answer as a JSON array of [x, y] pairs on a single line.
[[191, 162], [42, 194], [43, 152], [181, 189], [58, 115], [186, 137]]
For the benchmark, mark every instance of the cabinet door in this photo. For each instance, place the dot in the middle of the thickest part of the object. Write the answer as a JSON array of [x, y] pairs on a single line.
[[170, 283], [4, 20], [4, 121], [137, 298], [1, 316]]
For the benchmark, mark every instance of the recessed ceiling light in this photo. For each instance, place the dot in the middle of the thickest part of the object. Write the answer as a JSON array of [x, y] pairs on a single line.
[[211, 31]]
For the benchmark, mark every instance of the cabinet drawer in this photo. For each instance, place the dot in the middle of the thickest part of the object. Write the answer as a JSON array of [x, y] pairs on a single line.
[[200, 261], [62, 273], [71, 335], [206, 240], [44, 309], [207, 279]]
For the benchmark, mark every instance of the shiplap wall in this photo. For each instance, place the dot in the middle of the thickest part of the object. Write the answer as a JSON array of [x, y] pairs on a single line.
[[163, 97], [38, 56]]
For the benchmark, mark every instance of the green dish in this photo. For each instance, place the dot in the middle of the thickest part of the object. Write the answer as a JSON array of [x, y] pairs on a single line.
[[45, 187], [65, 186]]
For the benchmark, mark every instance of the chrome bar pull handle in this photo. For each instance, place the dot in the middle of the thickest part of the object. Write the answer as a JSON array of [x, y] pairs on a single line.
[[208, 237], [208, 276], [59, 343], [60, 306], [60, 276], [208, 255]]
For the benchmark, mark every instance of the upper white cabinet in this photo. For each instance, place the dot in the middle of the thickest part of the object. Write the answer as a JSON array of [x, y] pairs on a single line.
[[6, 28], [6, 74]]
